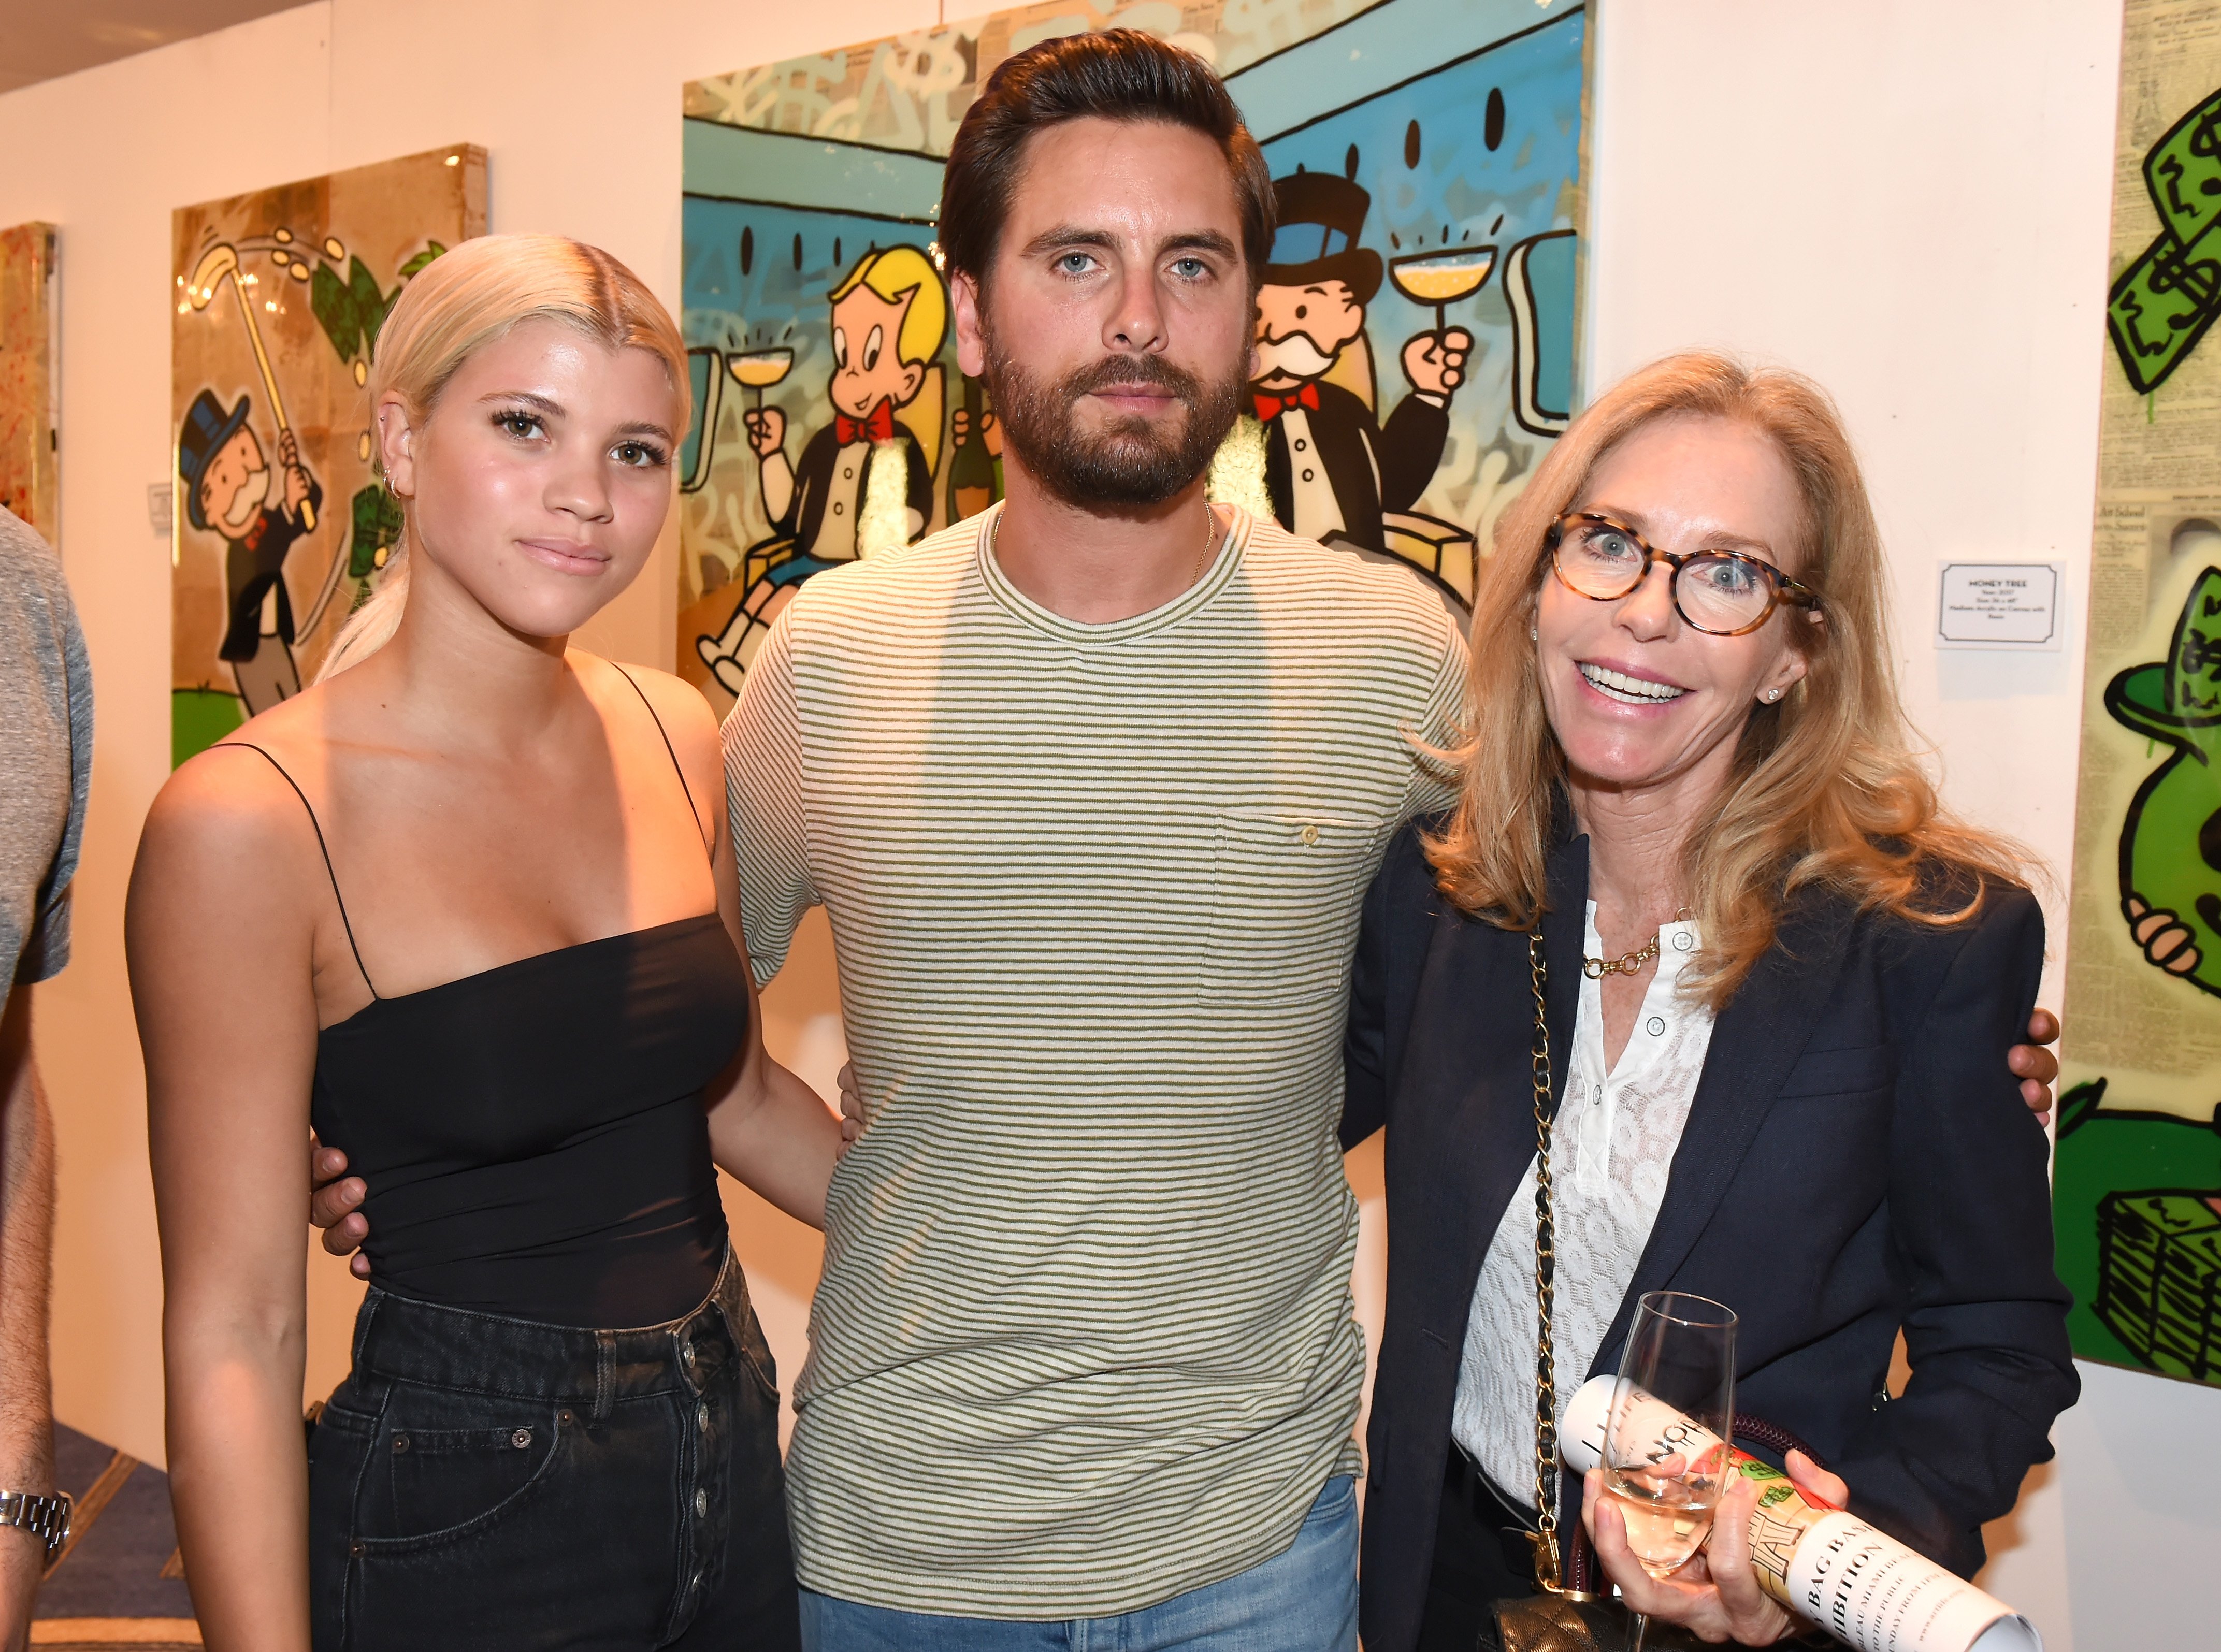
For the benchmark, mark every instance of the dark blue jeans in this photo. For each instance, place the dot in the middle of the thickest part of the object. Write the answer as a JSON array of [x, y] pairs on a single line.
[[479, 1482]]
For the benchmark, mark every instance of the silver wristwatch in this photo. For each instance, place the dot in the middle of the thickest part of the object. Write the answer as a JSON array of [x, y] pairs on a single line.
[[47, 1518]]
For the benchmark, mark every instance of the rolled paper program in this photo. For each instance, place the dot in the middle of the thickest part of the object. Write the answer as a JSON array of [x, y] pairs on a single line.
[[1826, 1564]]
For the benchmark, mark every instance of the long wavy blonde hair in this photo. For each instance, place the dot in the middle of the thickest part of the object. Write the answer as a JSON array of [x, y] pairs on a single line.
[[459, 303], [1824, 790]]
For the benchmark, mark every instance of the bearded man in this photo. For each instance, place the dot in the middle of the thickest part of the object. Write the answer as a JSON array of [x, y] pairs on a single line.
[[1090, 786]]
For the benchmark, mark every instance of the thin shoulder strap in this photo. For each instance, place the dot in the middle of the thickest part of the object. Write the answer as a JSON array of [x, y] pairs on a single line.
[[687, 789], [315, 826]]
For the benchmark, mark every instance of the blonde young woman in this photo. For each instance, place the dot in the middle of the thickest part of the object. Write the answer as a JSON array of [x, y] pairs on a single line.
[[468, 906], [1782, 986]]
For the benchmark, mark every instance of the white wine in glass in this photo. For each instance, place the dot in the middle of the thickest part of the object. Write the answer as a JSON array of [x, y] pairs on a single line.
[[1680, 1350]]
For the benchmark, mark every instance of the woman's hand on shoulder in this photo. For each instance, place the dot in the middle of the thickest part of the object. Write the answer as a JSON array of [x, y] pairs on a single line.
[[1714, 1595]]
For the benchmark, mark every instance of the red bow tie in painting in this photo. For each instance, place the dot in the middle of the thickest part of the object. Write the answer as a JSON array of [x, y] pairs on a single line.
[[877, 425], [1271, 405]]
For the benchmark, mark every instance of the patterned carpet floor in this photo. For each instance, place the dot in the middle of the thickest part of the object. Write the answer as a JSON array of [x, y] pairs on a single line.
[[118, 1584]]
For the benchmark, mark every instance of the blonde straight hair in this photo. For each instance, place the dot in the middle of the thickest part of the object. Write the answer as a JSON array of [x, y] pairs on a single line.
[[464, 300], [1825, 789]]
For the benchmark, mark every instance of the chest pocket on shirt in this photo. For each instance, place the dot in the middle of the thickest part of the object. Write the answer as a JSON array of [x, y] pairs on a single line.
[[1286, 888]]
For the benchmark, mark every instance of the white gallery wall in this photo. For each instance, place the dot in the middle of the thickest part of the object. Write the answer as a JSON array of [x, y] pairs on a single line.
[[1908, 198]]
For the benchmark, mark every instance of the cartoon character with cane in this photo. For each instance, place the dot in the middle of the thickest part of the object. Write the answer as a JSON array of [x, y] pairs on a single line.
[[227, 480]]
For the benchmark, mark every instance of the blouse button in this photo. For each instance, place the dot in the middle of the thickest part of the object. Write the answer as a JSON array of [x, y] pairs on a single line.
[[1681, 942], [1654, 1027]]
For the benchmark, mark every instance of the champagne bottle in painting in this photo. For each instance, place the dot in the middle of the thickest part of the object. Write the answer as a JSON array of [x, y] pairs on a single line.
[[971, 467]]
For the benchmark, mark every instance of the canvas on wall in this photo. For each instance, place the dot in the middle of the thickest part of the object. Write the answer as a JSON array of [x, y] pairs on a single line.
[[2136, 1186], [279, 524], [30, 377], [1426, 156]]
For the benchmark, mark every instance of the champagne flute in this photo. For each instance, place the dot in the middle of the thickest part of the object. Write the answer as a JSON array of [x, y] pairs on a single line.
[[1666, 1475]]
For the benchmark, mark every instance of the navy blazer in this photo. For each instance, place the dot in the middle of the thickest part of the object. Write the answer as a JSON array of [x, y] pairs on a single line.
[[1856, 1159]]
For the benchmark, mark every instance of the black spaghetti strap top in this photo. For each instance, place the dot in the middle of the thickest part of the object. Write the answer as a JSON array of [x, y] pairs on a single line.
[[533, 1136]]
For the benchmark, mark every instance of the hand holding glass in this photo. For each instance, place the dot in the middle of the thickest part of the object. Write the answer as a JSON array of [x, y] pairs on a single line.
[[1680, 1350]]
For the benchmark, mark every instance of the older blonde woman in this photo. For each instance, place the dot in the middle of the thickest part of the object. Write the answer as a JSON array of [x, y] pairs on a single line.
[[1781, 988]]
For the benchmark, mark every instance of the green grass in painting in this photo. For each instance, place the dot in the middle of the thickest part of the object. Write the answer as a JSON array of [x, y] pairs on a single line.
[[198, 718]]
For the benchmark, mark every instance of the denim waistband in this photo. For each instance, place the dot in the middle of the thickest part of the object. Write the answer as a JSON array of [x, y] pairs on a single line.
[[409, 1340]]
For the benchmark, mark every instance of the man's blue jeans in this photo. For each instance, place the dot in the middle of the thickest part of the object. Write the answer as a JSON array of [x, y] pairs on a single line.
[[1303, 1599]]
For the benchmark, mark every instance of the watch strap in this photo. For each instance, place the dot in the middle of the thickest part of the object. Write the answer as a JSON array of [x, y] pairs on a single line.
[[47, 1518]]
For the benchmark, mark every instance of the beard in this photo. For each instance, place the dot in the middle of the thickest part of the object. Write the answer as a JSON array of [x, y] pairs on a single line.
[[1130, 462]]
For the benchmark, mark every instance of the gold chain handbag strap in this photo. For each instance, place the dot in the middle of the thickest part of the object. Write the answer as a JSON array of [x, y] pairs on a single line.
[[1547, 1571]]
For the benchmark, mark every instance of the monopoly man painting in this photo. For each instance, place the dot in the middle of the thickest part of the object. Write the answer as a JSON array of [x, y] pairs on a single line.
[[279, 526], [2137, 1182], [1415, 326]]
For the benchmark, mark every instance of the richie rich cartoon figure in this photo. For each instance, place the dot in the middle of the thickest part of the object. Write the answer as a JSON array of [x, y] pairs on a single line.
[[863, 483]]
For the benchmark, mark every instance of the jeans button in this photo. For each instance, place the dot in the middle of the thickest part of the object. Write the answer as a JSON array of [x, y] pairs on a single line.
[[702, 1418], [521, 1439], [701, 1504]]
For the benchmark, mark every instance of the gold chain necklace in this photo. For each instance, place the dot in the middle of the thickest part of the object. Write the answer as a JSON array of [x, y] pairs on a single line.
[[1626, 964]]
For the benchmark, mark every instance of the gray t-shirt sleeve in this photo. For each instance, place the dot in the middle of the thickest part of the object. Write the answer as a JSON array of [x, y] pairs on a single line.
[[45, 755]]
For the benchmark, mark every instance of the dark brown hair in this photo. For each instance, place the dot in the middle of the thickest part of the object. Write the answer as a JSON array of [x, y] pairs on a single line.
[[1118, 74]]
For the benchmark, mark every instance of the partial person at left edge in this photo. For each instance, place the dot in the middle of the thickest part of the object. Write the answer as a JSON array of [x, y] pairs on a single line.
[[45, 772]]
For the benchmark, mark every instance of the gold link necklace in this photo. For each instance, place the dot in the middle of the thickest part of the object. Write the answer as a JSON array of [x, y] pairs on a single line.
[[1626, 964]]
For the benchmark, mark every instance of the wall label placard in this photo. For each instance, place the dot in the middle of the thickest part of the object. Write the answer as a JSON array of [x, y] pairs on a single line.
[[1999, 605]]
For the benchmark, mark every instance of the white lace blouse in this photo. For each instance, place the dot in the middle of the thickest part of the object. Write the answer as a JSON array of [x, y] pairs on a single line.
[[1611, 1146]]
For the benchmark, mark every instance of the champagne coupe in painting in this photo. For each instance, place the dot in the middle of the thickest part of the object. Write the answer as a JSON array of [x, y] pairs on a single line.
[[1680, 1350], [760, 369], [1441, 278]]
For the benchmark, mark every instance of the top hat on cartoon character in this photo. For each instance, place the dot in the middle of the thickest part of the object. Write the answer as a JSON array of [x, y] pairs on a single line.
[[1310, 210], [2178, 700], [208, 427]]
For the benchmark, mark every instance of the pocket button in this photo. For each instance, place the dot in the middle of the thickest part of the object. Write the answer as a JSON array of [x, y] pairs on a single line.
[[1309, 837], [521, 1439], [400, 1442]]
